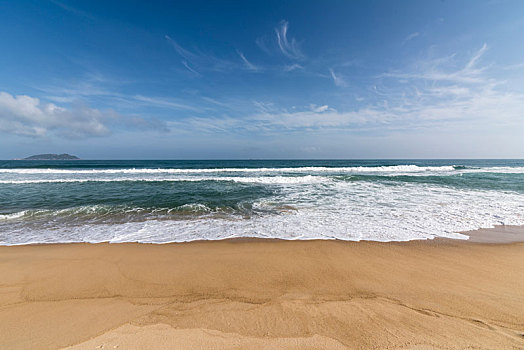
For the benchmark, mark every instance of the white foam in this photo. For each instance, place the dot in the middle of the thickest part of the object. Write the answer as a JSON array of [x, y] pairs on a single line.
[[12, 215], [388, 170], [308, 179], [341, 210], [393, 168], [300, 175]]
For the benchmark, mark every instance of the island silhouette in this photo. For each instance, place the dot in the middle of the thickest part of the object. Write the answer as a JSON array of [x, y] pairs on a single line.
[[51, 156]]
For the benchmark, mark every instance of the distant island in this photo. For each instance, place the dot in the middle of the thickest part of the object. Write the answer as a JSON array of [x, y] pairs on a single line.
[[50, 156]]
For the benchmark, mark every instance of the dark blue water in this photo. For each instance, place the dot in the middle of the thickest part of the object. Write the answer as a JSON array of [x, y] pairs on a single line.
[[212, 164]]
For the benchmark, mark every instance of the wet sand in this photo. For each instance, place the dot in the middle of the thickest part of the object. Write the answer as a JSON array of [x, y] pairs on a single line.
[[263, 294]]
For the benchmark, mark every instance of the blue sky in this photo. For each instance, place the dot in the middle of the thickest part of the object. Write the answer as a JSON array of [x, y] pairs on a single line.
[[262, 79]]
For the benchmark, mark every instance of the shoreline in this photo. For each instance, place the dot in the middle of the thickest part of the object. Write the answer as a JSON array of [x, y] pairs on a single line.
[[499, 234], [257, 294]]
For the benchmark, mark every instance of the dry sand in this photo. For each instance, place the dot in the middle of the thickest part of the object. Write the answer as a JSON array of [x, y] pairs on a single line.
[[257, 294]]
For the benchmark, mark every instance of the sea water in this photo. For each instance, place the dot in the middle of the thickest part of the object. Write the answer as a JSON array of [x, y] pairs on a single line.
[[175, 201]]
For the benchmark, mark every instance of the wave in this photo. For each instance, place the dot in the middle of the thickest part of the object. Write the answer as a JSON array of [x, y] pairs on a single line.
[[110, 211], [347, 211], [392, 168], [460, 167], [311, 169], [308, 179], [12, 216]]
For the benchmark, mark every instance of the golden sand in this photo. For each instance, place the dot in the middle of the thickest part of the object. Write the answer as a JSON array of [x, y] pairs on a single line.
[[263, 294]]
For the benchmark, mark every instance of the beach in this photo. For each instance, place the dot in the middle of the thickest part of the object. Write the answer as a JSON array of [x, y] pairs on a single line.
[[263, 294]]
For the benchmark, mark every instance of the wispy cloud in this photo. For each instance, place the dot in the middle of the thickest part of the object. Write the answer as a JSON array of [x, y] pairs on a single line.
[[73, 10], [197, 61], [292, 67], [188, 55], [471, 63], [289, 47], [164, 102], [189, 68], [28, 116], [262, 43], [216, 102], [250, 66], [337, 79], [319, 109], [410, 37], [97, 88], [280, 43], [430, 96], [514, 66], [265, 107], [437, 70]]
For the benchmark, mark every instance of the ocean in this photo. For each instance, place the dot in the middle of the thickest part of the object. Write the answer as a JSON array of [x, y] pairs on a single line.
[[161, 201]]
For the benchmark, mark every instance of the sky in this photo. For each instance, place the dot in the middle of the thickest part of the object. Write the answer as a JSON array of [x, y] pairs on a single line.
[[262, 79]]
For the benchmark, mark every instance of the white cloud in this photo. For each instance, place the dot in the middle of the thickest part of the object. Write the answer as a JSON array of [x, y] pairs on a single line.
[[188, 55], [319, 109], [189, 68], [471, 63], [315, 119], [201, 61], [266, 107], [337, 79], [164, 102], [289, 47], [438, 95], [292, 67], [410, 37], [514, 66], [73, 10], [27, 116], [438, 70], [247, 64], [91, 89]]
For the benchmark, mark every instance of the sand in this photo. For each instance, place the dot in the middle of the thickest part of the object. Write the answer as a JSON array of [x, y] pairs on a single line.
[[263, 294]]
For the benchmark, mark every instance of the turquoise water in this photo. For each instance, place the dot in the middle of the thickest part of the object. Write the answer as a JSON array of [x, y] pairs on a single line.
[[171, 201]]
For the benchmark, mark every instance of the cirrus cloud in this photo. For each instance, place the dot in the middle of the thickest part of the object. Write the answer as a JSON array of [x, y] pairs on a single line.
[[446, 94]]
